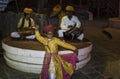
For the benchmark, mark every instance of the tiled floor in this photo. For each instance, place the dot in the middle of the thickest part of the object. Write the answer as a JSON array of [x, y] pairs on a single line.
[[104, 64]]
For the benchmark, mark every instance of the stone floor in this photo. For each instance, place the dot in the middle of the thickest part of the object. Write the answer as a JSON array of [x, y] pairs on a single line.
[[104, 64]]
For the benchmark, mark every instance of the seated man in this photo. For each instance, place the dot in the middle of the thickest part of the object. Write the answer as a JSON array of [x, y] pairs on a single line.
[[70, 26], [25, 24], [56, 15]]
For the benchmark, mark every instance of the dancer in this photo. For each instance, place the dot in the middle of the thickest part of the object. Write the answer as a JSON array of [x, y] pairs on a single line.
[[56, 66]]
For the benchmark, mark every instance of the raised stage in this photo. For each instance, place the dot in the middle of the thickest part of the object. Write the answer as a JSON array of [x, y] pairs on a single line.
[[28, 55]]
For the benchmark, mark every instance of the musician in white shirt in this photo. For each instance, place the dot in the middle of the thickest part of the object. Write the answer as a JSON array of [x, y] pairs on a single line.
[[68, 22]]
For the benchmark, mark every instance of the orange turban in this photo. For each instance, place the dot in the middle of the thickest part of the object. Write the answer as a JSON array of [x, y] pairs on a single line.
[[28, 10], [57, 8], [49, 28], [69, 8]]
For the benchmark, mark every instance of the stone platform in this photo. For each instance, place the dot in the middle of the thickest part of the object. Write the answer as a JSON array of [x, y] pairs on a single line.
[[28, 56]]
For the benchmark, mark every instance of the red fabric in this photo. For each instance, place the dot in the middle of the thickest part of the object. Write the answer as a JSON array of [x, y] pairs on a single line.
[[44, 73], [49, 28], [71, 58]]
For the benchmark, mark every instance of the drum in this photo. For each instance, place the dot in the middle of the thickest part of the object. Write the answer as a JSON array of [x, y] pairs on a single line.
[[26, 31], [72, 34]]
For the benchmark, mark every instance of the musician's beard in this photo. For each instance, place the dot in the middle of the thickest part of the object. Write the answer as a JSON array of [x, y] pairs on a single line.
[[70, 16]]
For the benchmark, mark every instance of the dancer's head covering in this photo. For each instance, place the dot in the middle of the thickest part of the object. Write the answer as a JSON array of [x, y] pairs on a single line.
[[49, 28]]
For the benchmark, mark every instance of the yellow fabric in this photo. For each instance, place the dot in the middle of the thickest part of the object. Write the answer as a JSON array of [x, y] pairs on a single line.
[[69, 8], [28, 10], [52, 67], [51, 46], [26, 23], [58, 62]]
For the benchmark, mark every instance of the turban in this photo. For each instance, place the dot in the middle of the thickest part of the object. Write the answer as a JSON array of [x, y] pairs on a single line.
[[28, 10], [57, 8], [69, 8], [49, 28]]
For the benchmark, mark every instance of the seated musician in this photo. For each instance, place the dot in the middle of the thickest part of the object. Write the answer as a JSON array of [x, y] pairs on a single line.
[[56, 15], [70, 26], [25, 24]]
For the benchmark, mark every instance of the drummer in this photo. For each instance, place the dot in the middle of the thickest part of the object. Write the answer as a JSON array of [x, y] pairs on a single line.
[[25, 22], [69, 21]]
